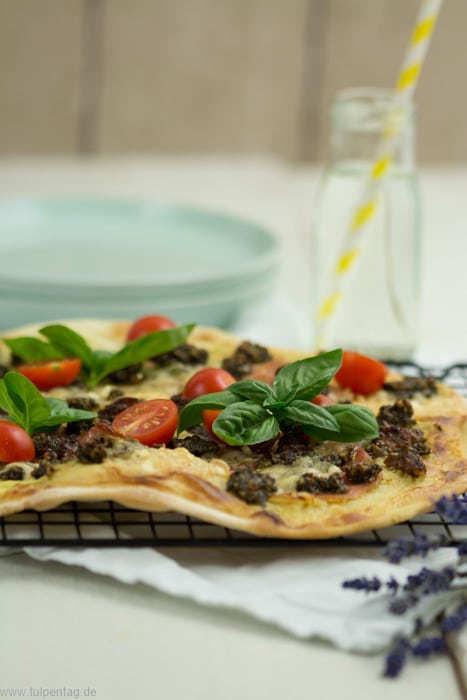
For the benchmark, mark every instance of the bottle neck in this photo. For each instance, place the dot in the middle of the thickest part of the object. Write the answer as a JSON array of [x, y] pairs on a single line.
[[360, 116], [351, 146]]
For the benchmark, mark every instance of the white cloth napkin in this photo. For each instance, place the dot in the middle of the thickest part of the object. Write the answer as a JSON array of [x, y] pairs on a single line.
[[300, 591]]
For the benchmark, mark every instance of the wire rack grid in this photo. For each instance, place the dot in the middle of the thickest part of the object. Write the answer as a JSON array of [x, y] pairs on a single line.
[[107, 524]]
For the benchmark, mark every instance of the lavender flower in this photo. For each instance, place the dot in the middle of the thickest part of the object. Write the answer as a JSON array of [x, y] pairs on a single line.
[[400, 605], [429, 646], [396, 658], [454, 622], [430, 581], [453, 508], [364, 584], [393, 585], [401, 547], [417, 585]]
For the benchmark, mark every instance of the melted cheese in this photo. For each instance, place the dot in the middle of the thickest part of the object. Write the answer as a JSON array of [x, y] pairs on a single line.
[[287, 475], [27, 468], [159, 383]]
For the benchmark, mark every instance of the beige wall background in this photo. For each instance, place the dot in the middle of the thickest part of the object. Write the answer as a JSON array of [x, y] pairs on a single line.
[[238, 77]]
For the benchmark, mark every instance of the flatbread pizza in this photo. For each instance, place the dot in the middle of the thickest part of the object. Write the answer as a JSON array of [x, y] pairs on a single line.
[[197, 421]]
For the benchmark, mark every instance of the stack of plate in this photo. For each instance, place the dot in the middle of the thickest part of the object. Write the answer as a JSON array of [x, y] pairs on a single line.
[[119, 259]]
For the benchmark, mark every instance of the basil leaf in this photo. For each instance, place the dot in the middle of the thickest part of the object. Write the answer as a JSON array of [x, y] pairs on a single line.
[[245, 423], [7, 404], [101, 357], [192, 413], [32, 349], [274, 405], [139, 350], [31, 406], [71, 344], [290, 395], [311, 375], [60, 413], [307, 413], [356, 423], [259, 392], [100, 363], [28, 408]]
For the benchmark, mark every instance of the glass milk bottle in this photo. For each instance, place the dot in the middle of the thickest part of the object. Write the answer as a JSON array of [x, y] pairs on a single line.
[[378, 311]]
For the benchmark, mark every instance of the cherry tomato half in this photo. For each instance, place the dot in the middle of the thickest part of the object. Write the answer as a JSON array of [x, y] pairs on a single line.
[[363, 375], [149, 422], [15, 443], [207, 381], [148, 324], [322, 400], [47, 375]]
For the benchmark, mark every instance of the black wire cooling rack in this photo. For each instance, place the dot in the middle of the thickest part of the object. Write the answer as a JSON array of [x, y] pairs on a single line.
[[106, 524]]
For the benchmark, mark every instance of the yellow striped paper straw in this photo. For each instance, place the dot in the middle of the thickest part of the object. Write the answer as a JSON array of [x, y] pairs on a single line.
[[404, 89]]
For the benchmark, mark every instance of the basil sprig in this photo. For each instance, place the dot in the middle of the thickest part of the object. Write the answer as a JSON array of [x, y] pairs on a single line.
[[253, 412], [97, 364], [26, 406]]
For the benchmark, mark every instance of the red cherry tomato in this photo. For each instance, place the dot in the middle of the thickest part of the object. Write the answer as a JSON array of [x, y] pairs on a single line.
[[363, 375], [15, 443], [148, 324], [47, 375], [150, 422], [209, 416], [207, 381], [322, 400]]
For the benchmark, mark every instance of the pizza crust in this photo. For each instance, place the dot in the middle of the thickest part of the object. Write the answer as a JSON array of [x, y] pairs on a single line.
[[163, 479], [173, 479]]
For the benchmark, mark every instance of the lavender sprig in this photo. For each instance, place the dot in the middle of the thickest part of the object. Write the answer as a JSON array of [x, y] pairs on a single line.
[[427, 581], [416, 585]]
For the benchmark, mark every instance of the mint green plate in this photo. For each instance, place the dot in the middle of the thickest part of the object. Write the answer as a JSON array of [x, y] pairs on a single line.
[[63, 258]]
